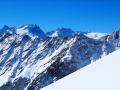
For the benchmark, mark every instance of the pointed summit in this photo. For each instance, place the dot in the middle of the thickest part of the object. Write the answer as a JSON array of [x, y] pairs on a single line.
[[62, 32], [32, 29], [115, 35], [5, 27]]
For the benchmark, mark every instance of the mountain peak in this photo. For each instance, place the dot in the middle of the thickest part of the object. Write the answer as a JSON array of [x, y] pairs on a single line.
[[28, 26], [32, 29], [5, 27], [63, 32], [114, 36]]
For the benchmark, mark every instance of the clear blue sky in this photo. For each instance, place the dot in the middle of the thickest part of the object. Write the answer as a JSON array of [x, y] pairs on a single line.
[[83, 15]]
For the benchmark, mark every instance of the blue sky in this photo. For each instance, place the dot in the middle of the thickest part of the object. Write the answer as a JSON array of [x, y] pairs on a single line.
[[82, 15]]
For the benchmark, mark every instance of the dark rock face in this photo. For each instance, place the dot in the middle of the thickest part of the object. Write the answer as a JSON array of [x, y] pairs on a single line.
[[6, 86], [20, 83], [35, 63], [115, 35]]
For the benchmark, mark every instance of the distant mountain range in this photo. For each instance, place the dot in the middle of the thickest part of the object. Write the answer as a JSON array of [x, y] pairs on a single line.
[[31, 59], [35, 30]]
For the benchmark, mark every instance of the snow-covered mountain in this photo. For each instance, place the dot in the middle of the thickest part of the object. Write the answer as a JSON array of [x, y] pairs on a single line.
[[31, 59], [7, 29], [104, 74], [32, 30], [63, 32]]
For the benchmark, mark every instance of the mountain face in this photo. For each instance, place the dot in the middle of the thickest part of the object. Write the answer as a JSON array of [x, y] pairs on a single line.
[[31, 59]]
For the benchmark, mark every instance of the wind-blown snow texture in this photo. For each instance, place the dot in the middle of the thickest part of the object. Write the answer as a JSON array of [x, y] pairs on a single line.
[[31, 59], [101, 75]]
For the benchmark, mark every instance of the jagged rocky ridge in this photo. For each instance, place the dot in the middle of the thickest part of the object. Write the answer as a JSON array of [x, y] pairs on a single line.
[[31, 59]]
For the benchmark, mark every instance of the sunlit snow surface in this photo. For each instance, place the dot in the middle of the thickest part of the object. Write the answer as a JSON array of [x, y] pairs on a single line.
[[95, 35], [104, 74]]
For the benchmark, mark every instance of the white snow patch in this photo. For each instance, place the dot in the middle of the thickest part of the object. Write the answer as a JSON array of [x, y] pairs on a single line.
[[96, 35], [55, 34]]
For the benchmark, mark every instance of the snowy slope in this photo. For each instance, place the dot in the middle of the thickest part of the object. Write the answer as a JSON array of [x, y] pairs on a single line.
[[101, 75]]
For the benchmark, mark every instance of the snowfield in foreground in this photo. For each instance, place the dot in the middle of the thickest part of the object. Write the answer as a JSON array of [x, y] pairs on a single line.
[[104, 74]]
